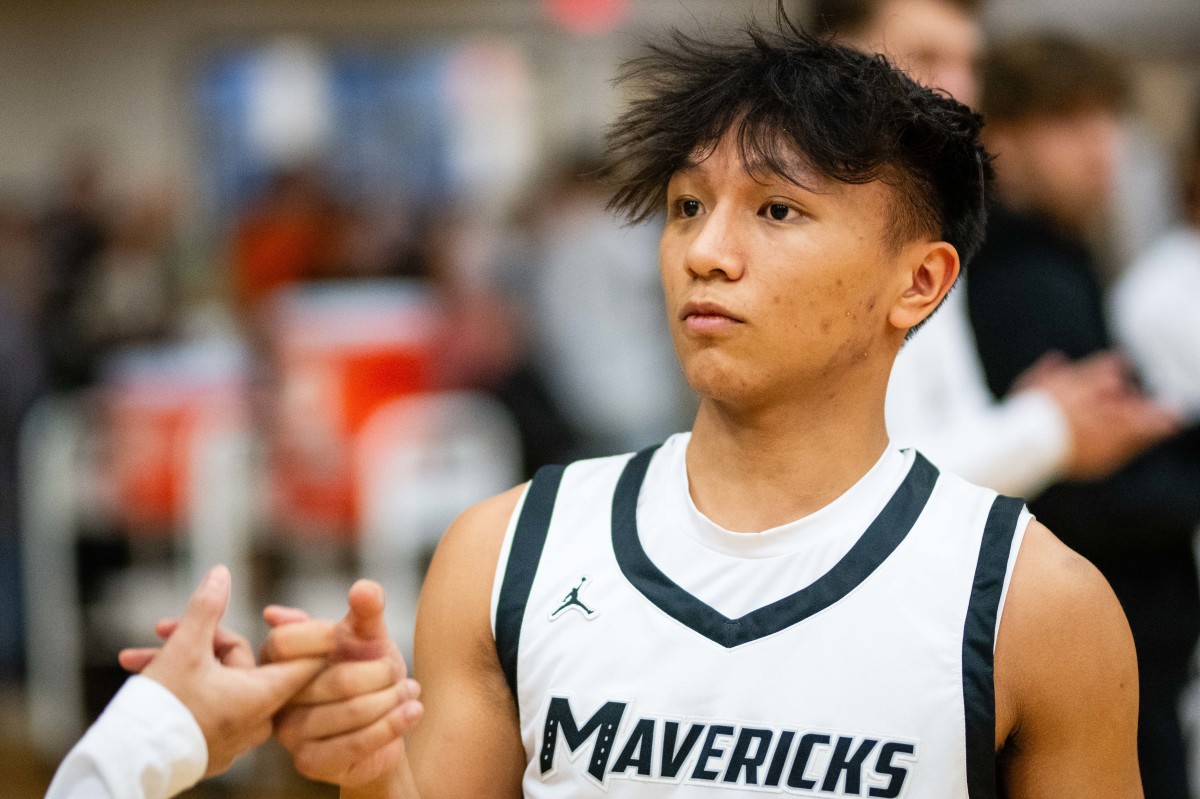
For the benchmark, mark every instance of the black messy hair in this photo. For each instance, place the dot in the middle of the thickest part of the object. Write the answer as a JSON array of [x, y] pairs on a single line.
[[799, 103]]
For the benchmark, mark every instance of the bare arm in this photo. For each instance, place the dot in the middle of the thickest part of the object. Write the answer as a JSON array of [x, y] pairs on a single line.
[[1066, 680], [469, 743]]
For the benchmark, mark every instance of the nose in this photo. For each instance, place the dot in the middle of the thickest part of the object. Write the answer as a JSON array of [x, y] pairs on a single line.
[[717, 249]]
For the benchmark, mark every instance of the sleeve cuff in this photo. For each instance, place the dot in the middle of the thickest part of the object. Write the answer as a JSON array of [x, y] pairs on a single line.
[[146, 717], [1039, 424]]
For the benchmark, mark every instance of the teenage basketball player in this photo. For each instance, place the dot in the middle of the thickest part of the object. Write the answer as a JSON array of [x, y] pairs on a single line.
[[778, 602]]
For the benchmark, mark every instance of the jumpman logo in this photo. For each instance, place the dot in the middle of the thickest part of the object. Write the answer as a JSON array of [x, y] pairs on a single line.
[[572, 600]]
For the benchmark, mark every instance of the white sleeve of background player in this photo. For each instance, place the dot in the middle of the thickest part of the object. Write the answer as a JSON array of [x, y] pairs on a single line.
[[1016, 447], [1153, 308], [145, 745], [938, 401]]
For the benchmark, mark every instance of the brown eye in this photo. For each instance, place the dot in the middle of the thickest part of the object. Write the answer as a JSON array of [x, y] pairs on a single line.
[[689, 207], [778, 211]]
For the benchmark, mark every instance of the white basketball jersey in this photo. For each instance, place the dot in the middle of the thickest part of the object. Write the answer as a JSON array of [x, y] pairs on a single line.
[[654, 654]]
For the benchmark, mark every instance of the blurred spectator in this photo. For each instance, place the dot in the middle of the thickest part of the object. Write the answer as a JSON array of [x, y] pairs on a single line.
[[127, 296], [74, 235], [488, 344], [598, 313], [938, 42], [294, 232], [22, 277], [20, 363], [1054, 110], [386, 239], [1056, 422], [1154, 304]]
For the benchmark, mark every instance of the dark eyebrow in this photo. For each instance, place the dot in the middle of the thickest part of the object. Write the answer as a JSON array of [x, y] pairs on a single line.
[[763, 174], [765, 167]]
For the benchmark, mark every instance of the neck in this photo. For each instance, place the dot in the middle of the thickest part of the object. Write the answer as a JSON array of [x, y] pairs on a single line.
[[751, 470]]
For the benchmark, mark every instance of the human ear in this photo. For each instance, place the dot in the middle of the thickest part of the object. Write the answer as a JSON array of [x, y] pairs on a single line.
[[934, 268]]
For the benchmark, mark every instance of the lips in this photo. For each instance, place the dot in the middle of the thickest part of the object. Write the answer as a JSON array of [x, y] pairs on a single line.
[[708, 309], [706, 318]]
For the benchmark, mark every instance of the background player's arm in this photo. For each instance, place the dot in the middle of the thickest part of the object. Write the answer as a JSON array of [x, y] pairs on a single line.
[[1066, 680]]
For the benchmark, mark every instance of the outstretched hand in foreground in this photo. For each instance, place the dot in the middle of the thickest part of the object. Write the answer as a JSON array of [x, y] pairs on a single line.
[[213, 673]]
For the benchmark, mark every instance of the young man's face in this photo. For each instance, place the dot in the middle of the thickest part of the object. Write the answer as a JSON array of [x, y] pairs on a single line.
[[773, 289]]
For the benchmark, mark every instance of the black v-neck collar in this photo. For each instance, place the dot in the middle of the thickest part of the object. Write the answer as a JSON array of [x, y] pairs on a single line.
[[879, 540]]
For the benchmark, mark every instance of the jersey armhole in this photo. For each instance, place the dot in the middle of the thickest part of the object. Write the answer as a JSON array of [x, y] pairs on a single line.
[[505, 552], [1023, 521]]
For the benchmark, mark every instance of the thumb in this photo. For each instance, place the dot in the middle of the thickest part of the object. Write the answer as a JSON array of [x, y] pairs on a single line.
[[199, 623], [282, 681], [365, 616]]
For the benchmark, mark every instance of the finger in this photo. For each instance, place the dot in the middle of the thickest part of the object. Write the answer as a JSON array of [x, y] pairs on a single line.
[[366, 611], [233, 650], [137, 658], [314, 722], [198, 626], [346, 680], [374, 766], [302, 639], [281, 681], [276, 615], [165, 628], [1050, 362], [1043, 369], [1107, 367], [229, 647], [1119, 362], [339, 754], [1156, 422]]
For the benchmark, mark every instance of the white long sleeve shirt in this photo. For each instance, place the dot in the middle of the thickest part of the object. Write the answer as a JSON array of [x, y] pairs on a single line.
[[938, 402], [1154, 311], [145, 745]]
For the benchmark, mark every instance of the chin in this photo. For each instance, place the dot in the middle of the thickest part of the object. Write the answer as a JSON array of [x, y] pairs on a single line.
[[721, 380]]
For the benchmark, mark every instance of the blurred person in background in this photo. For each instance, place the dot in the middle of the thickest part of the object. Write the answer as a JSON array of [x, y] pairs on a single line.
[[1155, 303], [75, 232], [1061, 419], [937, 42], [22, 365], [292, 233], [23, 383], [489, 341], [128, 296], [598, 310], [22, 259], [1054, 109]]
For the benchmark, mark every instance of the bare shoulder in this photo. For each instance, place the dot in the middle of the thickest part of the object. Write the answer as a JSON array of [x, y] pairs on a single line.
[[1065, 667], [465, 561], [481, 528], [1061, 620], [1053, 585]]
